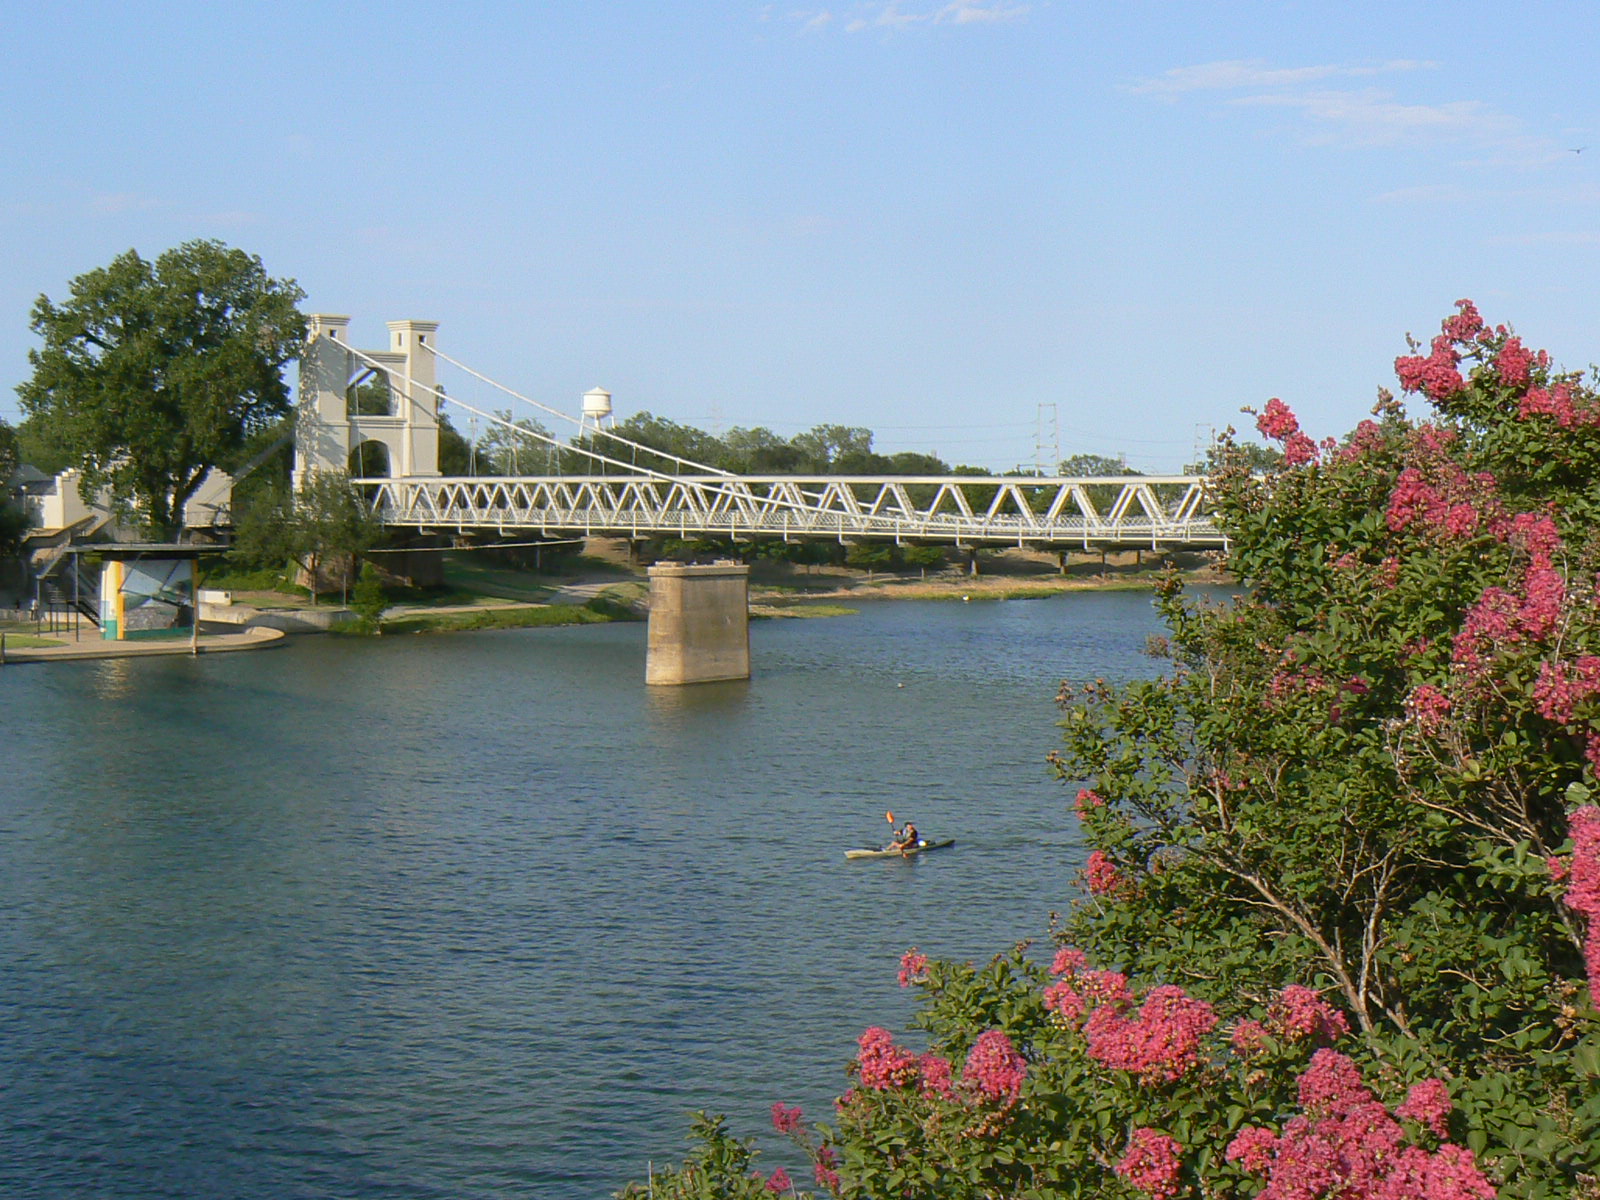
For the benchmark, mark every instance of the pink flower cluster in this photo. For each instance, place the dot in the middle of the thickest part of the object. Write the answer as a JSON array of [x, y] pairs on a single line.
[[1079, 990], [1561, 687], [1434, 492], [1152, 1163], [1158, 1044], [1515, 363], [1087, 801], [1436, 375], [1346, 1144], [1466, 324], [1101, 874], [1428, 707], [824, 1171], [1280, 424], [1583, 892], [935, 1074], [1068, 960], [1559, 402], [994, 1070], [778, 1182], [882, 1064], [1428, 1103], [786, 1120], [1366, 439], [913, 967], [1502, 618], [1301, 1014]]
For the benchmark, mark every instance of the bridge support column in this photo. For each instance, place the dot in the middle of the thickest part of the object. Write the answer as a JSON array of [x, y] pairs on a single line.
[[699, 628]]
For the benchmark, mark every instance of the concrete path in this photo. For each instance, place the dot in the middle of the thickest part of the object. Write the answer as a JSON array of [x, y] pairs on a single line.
[[87, 648]]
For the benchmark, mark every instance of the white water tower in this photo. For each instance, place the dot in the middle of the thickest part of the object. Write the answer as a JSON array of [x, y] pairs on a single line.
[[596, 408]]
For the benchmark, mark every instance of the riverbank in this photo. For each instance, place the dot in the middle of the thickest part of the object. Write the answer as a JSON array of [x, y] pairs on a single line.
[[20, 648]]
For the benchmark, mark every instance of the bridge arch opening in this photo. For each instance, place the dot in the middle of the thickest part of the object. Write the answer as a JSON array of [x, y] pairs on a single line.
[[370, 394], [370, 460]]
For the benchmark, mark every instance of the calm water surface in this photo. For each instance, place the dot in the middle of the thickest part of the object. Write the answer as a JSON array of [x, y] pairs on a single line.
[[481, 915]]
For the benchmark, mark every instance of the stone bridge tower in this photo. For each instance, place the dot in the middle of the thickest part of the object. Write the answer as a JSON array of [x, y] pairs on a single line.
[[373, 415]]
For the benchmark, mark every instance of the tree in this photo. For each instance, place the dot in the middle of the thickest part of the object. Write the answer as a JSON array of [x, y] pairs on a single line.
[[13, 520], [327, 520], [1339, 929], [151, 374], [518, 447], [1089, 465], [824, 447], [367, 599]]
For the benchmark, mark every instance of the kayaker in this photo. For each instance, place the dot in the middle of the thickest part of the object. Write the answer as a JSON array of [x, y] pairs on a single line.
[[905, 839]]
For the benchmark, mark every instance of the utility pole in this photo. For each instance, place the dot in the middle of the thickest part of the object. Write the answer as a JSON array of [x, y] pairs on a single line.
[[1047, 440]]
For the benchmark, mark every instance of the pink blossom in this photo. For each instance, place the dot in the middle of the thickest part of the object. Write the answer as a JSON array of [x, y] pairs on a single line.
[[1251, 1149], [1101, 874], [824, 1171], [1248, 1037], [1367, 438], [1428, 1103], [1428, 707], [1298, 450], [778, 1182], [1152, 1163], [1557, 867], [994, 1069], [935, 1073], [1105, 987], [883, 1065], [1583, 892], [1435, 375], [785, 1120], [1277, 421], [1065, 999], [1561, 687], [913, 967], [1514, 363], [1160, 1043], [1465, 325], [1067, 961], [1087, 800], [1301, 1014]]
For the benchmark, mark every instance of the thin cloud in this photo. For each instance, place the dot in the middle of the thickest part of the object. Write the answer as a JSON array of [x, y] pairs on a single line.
[[1360, 116], [111, 204], [1552, 237], [1253, 73], [896, 16], [1374, 118]]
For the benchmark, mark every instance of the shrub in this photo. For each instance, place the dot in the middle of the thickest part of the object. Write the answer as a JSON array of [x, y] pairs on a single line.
[[1340, 934]]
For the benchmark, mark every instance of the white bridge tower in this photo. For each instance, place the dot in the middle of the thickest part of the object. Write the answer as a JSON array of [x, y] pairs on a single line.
[[369, 412]]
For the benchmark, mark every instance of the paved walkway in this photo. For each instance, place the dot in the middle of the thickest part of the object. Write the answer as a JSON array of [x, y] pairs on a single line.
[[206, 643]]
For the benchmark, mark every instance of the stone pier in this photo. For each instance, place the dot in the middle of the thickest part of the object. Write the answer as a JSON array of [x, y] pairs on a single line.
[[699, 623]]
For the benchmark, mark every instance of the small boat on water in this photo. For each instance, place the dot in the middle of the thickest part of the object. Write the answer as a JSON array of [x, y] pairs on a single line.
[[922, 847]]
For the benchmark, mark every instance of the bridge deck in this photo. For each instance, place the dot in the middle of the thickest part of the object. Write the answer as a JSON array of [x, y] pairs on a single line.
[[1124, 511]]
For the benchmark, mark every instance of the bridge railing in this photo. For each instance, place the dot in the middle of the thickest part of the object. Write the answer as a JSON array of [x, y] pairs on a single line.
[[968, 510]]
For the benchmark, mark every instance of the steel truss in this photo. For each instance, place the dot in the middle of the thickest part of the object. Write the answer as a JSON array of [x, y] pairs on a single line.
[[1166, 511]]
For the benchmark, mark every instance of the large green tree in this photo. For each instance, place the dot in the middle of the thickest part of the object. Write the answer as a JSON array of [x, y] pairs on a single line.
[[153, 373], [13, 521]]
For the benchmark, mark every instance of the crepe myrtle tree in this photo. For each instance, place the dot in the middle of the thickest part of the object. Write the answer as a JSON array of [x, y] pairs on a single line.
[[152, 373], [1338, 932]]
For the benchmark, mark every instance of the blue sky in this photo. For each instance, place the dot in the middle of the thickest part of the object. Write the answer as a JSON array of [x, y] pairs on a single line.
[[929, 218]]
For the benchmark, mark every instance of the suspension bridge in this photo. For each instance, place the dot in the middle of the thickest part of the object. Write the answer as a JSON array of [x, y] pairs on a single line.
[[340, 429]]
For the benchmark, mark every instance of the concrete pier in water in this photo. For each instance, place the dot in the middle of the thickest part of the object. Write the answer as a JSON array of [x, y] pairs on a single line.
[[699, 623]]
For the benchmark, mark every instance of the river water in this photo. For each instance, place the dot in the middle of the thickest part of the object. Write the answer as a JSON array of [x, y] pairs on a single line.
[[480, 915]]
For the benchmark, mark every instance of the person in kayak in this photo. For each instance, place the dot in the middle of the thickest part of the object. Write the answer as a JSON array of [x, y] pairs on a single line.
[[905, 839]]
